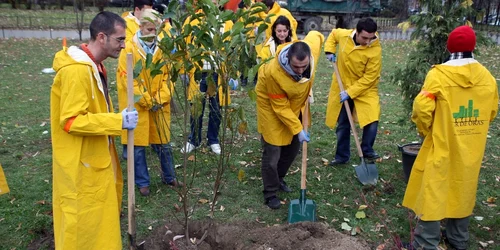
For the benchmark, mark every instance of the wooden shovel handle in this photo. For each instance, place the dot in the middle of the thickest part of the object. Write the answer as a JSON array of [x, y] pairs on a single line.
[[305, 124], [130, 154], [348, 110]]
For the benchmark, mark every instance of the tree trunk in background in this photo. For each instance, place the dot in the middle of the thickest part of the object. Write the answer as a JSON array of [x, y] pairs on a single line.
[[61, 4], [13, 3]]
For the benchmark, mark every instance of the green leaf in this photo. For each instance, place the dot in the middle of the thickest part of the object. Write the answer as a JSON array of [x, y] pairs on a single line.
[[252, 94], [360, 215], [137, 69], [149, 59], [137, 98], [345, 226], [237, 27]]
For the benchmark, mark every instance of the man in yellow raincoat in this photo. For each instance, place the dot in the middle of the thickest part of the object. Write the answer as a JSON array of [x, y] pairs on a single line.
[[133, 18], [215, 100], [359, 63], [87, 180], [283, 88], [453, 111], [153, 106]]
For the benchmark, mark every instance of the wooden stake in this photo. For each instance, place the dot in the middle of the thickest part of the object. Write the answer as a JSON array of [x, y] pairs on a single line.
[[130, 155]]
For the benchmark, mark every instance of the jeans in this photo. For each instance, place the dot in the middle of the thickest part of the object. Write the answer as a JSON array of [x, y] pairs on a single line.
[[344, 136], [214, 117], [276, 160], [164, 152]]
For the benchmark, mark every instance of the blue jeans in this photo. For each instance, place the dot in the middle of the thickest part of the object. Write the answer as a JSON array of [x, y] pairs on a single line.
[[344, 136], [214, 117], [164, 152]]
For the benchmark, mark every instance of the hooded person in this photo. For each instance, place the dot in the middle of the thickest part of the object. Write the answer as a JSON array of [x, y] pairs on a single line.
[[283, 87], [452, 113], [87, 178], [155, 92]]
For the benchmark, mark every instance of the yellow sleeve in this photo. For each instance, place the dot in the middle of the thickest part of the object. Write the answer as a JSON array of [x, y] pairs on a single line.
[[166, 89], [425, 104], [331, 42], [264, 53], [75, 117], [281, 105], [370, 77]]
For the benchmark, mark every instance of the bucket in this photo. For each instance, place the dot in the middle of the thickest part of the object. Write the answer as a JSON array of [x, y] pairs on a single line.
[[409, 154]]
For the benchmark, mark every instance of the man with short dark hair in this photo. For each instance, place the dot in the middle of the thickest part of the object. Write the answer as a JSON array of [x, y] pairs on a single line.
[[132, 18], [283, 87], [453, 111], [359, 64], [87, 179]]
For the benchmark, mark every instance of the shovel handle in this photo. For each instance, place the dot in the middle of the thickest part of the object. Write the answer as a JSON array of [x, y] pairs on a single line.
[[305, 125], [130, 154], [348, 111]]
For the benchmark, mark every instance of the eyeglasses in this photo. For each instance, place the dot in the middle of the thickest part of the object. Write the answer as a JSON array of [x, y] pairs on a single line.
[[120, 40]]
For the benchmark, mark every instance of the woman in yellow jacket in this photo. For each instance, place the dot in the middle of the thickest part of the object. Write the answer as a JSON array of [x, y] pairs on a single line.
[[281, 33], [155, 92], [359, 63], [215, 101], [282, 90], [453, 111]]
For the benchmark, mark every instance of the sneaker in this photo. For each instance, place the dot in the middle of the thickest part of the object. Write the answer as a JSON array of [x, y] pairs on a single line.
[[188, 148], [273, 202], [144, 191], [337, 163], [284, 187], [215, 148]]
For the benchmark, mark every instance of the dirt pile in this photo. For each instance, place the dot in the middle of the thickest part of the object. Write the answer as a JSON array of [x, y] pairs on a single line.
[[304, 235]]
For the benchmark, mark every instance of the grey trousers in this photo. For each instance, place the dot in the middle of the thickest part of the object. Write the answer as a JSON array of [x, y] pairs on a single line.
[[428, 233], [276, 160]]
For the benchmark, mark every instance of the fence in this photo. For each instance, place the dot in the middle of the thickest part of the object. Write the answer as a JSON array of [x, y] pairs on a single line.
[[30, 22]]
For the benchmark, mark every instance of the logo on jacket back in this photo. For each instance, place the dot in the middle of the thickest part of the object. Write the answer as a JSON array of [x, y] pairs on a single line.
[[467, 116]]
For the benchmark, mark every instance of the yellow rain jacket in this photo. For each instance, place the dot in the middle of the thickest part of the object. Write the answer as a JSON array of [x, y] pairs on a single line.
[[277, 11], [194, 87], [153, 127], [87, 181], [132, 25], [280, 98], [4, 187], [359, 68], [453, 111]]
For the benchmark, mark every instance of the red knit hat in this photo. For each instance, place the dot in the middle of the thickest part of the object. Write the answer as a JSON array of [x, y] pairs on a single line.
[[461, 39]]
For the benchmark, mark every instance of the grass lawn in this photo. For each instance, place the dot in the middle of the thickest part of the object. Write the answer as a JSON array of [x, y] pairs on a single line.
[[25, 154]]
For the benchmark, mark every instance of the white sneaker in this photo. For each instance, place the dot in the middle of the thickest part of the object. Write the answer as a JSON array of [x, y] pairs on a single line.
[[215, 148], [188, 148]]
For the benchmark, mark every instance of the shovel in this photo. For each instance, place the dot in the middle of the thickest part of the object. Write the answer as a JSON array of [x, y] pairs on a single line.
[[303, 209], [367, 172]]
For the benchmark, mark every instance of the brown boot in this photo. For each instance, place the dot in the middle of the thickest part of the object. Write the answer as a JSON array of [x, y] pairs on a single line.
[[144, 191], [176, 183]]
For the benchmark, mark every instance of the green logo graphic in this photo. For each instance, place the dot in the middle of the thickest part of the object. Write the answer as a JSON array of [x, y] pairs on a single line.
[[467, 112], [467, 116]]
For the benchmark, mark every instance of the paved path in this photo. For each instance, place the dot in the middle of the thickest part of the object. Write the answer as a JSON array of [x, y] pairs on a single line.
[[49, 34]]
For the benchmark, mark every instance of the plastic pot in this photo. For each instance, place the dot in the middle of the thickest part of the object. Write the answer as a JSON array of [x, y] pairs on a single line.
[[409, 154]]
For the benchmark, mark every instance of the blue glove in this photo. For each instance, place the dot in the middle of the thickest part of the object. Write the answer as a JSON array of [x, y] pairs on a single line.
[[233, 84], [331, 57], [156, 107], [344, 96], [304, 136], [130, 119]]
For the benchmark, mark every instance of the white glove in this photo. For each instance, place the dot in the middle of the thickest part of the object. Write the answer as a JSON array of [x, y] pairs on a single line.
[[233, 84], [184, 79], [130, 119]]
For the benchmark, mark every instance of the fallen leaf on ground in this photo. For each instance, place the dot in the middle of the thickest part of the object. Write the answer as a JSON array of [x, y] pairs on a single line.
[[483, 244], [203, 201], [222, 208], [241, 175], [242, 163], [345, 226], [479, 218], [191, 158], [491, 199], [150, 228], [178, 237], [42, 202], [360, 215], [261, 222], [177, 208]]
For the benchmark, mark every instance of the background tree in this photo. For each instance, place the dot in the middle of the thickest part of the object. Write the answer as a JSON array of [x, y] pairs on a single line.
[[431, 29]]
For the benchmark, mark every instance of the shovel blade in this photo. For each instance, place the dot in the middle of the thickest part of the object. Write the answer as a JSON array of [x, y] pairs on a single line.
[[367, 173], [301, 210]]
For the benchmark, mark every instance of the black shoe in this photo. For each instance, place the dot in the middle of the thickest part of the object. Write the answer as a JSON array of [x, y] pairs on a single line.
[[337, 163], [273, 202], [407, 246], [373, 156], [284, 187]]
